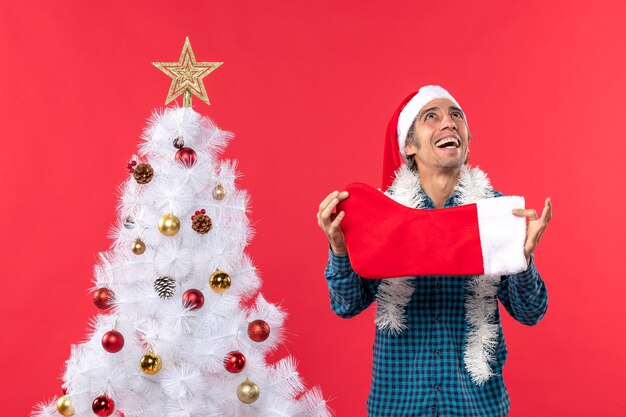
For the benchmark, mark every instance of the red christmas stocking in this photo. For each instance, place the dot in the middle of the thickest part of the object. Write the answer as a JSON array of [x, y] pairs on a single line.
[[388, 240]]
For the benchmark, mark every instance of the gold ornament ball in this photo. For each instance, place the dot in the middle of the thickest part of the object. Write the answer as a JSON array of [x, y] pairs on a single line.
[[64, 406], [248, 392], [150, 363], [219, 192], [219, 281], [138, 247], [169, 224]]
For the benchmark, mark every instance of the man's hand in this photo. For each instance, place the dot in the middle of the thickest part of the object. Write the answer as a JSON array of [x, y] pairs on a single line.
[[535, 227], [330, 222]]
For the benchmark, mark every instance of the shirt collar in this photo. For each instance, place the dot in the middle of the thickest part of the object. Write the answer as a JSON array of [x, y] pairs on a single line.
[[450, 202]]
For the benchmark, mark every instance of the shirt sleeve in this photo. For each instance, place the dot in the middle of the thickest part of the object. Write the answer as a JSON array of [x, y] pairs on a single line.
[[349, 293], [524, 295]]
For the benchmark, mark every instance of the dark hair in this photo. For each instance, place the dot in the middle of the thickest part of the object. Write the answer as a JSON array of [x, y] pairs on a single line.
[[411, 163]]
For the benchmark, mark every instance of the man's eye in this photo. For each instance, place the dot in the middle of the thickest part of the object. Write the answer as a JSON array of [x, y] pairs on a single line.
[[457, 114], [430, 115]]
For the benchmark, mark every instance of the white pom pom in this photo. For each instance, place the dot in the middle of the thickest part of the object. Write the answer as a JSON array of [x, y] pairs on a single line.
[[182, 381], [170, 195], [45, 410], [314, 404], [173, 259], [193, 407]]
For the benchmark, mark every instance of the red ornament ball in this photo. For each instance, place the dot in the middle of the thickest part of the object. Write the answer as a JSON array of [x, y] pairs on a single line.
[[103, 298], [186, 156], [234, 362], [193, 299], [113, 341], [103, 406], [258, 330]]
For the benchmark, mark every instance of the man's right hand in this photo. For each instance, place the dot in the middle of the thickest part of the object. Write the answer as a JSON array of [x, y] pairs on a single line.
[[330, 222]]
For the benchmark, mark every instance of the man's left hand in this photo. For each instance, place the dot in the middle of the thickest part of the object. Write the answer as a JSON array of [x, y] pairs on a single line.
[[535, 227]]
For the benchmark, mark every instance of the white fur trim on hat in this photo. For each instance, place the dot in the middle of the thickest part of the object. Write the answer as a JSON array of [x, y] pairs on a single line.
[[424, 96]]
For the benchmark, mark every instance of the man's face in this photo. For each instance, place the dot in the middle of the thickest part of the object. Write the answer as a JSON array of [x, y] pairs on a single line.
[[441, 136]]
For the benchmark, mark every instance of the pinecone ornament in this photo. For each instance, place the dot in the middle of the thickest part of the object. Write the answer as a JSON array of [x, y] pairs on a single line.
[[143, 173], [165, 287], [201, 223]]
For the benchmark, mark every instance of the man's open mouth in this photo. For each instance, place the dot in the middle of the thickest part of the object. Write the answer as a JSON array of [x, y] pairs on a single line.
[[448, 143]]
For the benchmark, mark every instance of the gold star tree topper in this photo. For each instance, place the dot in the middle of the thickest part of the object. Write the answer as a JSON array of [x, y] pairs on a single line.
[[187, 75]]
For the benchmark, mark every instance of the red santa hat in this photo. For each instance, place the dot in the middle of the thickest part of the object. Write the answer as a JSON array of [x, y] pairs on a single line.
[[399, 126]]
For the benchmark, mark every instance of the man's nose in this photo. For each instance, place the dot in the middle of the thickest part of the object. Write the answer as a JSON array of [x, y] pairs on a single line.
[[448, 122]]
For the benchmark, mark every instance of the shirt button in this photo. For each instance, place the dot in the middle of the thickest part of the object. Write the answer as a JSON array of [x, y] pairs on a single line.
[[437, 318], [436, 353], [438, 285], [437, 387], [434, 408]]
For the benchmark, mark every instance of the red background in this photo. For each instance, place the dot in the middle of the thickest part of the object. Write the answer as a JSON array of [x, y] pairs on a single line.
[[308, 89]]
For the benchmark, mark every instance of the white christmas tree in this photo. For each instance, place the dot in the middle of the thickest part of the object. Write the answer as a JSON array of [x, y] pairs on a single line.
[[186, 332]]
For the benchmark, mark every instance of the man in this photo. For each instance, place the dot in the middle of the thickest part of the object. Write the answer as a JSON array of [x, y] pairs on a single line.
[[439, 348]]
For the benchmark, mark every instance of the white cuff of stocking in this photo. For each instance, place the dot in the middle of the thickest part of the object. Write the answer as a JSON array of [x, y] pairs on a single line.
[[502, 235]]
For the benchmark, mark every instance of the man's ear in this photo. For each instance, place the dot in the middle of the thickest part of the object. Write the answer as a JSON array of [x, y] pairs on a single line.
[[410, 149]]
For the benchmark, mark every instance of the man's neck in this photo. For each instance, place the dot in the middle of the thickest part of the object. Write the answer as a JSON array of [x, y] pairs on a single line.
[[439, 184]]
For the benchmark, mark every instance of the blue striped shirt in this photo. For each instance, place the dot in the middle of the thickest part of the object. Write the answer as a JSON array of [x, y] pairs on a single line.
[[421, 372]]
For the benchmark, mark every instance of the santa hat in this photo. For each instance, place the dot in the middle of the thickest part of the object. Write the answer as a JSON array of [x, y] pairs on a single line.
[[399, 126]]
